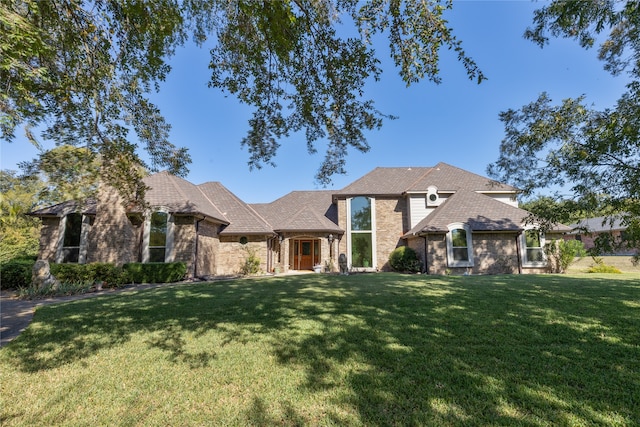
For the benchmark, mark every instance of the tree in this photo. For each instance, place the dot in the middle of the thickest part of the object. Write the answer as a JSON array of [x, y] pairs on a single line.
[[594, 154], [19, 233], [84, 70]]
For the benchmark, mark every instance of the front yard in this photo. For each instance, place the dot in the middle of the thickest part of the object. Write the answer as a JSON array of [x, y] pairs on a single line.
[[376, 349]]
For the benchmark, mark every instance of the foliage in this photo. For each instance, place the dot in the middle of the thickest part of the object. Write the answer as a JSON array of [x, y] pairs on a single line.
[[562, 253], [19, 233], [109, 275], [16, 273], [594, 154], [361, 350], [155, 272], [251, 264], [404, 259], [62, 289], [84, 71], [599, 266]]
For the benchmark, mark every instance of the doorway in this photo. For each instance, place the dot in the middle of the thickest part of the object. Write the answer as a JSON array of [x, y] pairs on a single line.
[[306, 254]]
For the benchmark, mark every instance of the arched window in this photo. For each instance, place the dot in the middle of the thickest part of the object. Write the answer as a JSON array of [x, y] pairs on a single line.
[[459, 249]]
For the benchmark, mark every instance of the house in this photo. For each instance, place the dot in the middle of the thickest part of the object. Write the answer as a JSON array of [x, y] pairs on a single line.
[[610, 228], [457, 222]]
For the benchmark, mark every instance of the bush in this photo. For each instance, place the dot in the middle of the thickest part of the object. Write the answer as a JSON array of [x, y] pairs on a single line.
[[108, 274], [404, 259], [563, 253], [155, 272], [600, 267], [251, 263], [16, 273]]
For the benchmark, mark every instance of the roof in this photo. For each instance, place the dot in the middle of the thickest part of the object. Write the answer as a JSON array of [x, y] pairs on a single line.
[[478, 211], [180, 196], [302, 211], [62, 209], [397, 181], [242, 218], [599, 224]]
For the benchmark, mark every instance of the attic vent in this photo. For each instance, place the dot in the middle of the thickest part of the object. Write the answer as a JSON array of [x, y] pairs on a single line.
[[432, 196]]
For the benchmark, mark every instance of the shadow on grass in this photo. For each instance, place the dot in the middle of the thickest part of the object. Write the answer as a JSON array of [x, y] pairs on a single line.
[[409, 350]]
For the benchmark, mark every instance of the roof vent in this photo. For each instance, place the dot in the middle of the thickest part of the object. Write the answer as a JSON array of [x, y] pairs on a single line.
[[432, 196]]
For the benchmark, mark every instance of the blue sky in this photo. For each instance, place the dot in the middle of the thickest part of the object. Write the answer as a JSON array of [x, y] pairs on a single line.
[[455, 122]]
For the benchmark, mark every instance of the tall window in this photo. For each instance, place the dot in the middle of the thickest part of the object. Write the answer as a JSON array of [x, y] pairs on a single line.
[[72, 237], [361, 232], [459, 250], [158, 237], [534, 247]]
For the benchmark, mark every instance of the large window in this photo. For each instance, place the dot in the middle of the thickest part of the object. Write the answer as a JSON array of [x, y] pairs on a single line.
[[72, 237], [158, 237], [533, 241], [361, 232], [459, 250]]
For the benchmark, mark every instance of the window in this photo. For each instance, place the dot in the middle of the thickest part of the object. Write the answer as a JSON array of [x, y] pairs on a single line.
[[158, 237], [72, 237], [534, 248], [361, 231], [459, 250]]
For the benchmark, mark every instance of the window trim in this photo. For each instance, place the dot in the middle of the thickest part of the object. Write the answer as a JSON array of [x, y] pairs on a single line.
[[85, 224], [523, 245], [451, 262]]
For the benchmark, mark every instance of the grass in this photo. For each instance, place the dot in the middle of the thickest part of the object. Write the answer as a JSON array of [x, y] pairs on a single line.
[[622, 263], [379, 349]]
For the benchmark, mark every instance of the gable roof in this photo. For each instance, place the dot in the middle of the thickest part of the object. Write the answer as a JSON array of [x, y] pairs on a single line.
[[241, 217], [480, 212], [397, 181], [180, 196], [64, 208], [301, 211]]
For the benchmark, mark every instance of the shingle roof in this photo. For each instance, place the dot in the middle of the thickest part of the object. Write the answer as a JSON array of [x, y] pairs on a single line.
[[243, 219], [599, 224], [61, 209], [396, 181], [302, 211], [451, 178], [480, 212], [180, 196]]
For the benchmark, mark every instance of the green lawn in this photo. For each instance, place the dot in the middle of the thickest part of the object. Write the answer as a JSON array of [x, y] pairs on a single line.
[[377, 349]]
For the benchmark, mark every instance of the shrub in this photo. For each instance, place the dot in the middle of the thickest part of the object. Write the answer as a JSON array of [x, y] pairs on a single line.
[[155, 272], [404, 259], [563, 253], [251, 263], [599, 266], [16, 273], [108, 274]]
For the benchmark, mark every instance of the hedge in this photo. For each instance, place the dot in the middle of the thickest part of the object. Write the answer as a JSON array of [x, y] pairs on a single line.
[[155, 272], [108, 274], [16, 273]]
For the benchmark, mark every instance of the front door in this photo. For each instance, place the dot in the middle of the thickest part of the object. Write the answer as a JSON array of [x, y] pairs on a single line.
[[306, 253]]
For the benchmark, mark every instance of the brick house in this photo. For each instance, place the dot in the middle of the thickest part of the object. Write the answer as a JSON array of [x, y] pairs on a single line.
[[458, 222], [611, 228]]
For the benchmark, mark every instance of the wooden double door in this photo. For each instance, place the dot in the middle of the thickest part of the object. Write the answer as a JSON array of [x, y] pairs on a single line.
[[306, 254]]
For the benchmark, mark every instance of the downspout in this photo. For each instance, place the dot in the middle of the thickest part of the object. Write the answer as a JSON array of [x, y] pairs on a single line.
[[195, 261], [518, 253], [426, 255]]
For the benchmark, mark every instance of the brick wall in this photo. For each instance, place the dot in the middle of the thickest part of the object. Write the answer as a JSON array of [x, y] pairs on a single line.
[[391, 224], [49, 237], [231, 254]]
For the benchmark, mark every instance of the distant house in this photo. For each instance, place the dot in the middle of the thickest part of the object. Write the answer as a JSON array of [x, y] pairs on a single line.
[[458, 222], [588, 230]]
